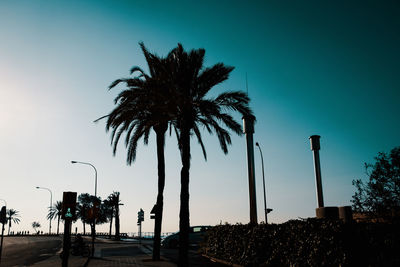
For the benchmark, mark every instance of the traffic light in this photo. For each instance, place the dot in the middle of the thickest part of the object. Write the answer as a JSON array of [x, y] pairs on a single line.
[[68, 205], [140, 216], [3, 215]]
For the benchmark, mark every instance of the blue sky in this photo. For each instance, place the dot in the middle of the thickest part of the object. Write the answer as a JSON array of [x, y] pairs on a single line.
[[329, 68]]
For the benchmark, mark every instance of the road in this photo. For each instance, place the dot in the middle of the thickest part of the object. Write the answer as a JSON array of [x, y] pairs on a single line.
[[42, 251], [26, 250]]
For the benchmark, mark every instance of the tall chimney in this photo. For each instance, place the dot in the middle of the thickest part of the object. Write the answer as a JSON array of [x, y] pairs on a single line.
[[248, 129], [315, 147]]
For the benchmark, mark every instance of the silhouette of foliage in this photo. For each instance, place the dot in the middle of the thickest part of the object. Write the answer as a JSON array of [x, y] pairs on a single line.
[[85, 210], [12, 216], [35, 226], [112, 204], [55, 211], [379, 196], [310, 242]]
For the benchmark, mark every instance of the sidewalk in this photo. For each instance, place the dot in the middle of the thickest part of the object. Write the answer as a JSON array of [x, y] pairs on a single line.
[[142, 259]]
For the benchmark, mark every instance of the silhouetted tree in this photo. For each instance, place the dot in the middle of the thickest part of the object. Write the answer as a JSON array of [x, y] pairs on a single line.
[[84, 204], [86, 213], [55, 211], [12, 215], [379, 196], [114, 201], [192, 83], [146, 104], [109, 210], [35, 226]]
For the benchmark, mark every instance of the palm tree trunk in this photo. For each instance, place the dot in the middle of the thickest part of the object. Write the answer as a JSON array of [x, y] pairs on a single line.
[[160, 198], [117, 218], [84, 229], [9, 226], [184, 223], [58, 223], [111, 220]]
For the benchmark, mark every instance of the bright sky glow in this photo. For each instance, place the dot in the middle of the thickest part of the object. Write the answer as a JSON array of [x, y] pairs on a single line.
[[321, 67]]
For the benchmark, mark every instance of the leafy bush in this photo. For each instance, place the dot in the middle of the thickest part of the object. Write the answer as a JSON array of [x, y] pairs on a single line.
[[310, 242]]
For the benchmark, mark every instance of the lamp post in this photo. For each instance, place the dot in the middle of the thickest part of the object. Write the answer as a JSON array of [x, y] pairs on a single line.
[[95, 174], [51, 202], [248, 129], [265, 193], [2, 227], [95, 195]]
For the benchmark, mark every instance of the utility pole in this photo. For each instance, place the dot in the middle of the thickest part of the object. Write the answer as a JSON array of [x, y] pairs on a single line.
[[315, 147], [248, 129], [3, 220]]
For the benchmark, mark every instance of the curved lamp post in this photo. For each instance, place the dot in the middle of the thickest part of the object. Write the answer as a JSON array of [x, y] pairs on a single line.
[[265, 194], [51, 202], [95, 195], [95, 174]]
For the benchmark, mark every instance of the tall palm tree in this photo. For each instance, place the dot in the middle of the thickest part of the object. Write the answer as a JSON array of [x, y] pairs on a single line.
[[55, 211], [12, 215], [109, 210], [146, 104], [192, 82], [115, 201], [84, 204]]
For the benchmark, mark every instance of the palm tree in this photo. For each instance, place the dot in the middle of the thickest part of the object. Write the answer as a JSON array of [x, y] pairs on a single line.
[[109, 211], [36, 225], [192, 82], [114, 201], [55, 211], [86, 212], [12, 215], [145, 105], [84, 204]]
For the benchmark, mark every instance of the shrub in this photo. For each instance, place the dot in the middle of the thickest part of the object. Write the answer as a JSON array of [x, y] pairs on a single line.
[[309, 242]]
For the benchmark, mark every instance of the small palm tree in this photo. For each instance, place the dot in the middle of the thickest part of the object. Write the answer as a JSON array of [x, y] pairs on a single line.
[[35, 226], [55, 211], [12, 215]]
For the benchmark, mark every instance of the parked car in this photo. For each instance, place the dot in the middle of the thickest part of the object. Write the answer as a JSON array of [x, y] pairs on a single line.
[[196, 235]]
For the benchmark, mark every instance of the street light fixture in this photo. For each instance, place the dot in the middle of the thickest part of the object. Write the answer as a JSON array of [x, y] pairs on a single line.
[[95, 195], [51, 203], [265, 193], [95, 174]]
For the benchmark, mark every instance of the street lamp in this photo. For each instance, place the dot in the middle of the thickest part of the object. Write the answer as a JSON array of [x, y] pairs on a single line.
[[51, 202], [95, 174], [265, 194], [95, 195]]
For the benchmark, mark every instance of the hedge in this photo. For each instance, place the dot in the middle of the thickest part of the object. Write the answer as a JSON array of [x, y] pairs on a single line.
[[309, 242]]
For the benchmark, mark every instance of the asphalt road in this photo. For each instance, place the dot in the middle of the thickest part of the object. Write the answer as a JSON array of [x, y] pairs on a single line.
[[23, 251]]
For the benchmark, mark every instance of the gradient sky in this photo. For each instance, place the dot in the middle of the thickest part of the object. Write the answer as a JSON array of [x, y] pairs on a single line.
[[314, 67]]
